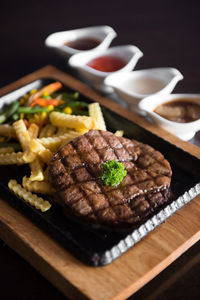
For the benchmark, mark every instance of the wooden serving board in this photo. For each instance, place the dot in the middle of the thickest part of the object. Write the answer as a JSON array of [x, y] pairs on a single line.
[[134, 268]]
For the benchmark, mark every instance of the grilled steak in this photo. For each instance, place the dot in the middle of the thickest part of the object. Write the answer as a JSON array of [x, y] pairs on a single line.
[[76, 172]]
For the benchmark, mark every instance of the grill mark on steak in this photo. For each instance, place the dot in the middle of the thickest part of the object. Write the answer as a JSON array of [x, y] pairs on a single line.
[[144, 188], [116, 157], [74, 176], [88, 170], [117, 154]]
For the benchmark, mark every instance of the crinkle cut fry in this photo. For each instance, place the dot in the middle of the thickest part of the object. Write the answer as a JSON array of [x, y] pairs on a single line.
[[24, 139], [28, 197], [71, 121], [36, 166], [47, 131], [40, 187], [119, 133], [53, 143], [7, 150], [22, 134], [7, 130], [33, 131], [18, 158], [96, 113], [62, 131], [39, 149]]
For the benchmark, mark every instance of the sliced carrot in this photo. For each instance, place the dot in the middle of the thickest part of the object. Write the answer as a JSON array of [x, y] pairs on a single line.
[[54, 102], [50, 88], [45, 102], [39, 101]]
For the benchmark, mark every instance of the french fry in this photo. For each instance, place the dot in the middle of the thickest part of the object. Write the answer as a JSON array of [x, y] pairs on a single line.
[[119, 133], [6, 150], [71, 121], [36, 165], [47, 131], [53, 143], [41, 187], [82, 131], [18, 158], [7, 130], [42, 132], [96, 113], [28, 197], [22, 134], [51, 129], [29, 156], [33, 131], [36, 170], [44, 153], [24, 139], [61, 131]]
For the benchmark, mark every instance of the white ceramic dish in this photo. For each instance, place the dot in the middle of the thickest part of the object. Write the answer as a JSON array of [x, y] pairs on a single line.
[[103, 33], [136, 85], [184, 131], [130, 54]]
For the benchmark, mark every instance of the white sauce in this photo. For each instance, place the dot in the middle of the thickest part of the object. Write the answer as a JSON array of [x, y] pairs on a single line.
[[144, 85]]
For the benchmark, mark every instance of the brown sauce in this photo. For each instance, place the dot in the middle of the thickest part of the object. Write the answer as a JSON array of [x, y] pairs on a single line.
[[179, 110], [83, 43]]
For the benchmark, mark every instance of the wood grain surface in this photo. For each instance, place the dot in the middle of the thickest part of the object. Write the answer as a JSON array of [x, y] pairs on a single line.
[[134, 268]]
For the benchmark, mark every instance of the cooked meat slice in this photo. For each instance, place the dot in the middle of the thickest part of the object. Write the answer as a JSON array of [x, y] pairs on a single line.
[[76, 171]]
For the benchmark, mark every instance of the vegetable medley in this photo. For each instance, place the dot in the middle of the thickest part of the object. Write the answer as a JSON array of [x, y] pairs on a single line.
[[35, 106], [34, 127]]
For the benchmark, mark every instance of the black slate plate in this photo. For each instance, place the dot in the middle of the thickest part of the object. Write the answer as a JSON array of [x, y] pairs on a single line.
[[93, 246]]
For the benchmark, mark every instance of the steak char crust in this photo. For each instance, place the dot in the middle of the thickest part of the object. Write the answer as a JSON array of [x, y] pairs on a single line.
[[76, 170]]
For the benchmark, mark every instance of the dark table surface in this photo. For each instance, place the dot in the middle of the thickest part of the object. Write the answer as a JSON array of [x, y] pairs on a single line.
[[168, 34]]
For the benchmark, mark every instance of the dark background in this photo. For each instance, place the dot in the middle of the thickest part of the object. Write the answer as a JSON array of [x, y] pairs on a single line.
[[167, 32]]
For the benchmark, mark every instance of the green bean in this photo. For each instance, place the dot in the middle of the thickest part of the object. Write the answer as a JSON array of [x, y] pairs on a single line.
[[32, 110], [13, 108], [66, 96], [8, 111], [73, 104]]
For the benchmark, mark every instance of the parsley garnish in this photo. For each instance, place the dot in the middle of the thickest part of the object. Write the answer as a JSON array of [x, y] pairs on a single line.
[[113, 172]]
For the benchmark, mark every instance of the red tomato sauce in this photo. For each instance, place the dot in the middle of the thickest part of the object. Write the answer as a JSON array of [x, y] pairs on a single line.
[[107, 63]]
